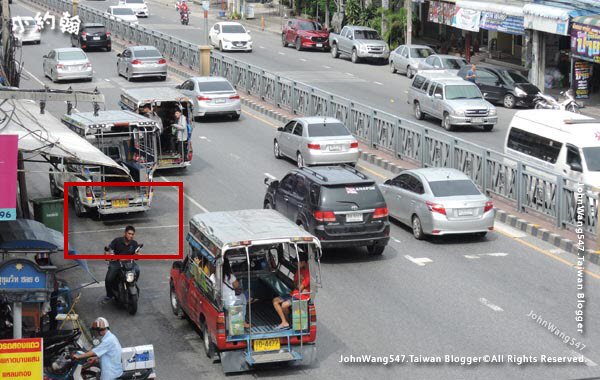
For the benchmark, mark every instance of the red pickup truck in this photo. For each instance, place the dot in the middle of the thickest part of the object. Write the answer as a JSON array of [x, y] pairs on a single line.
[[305, 34]]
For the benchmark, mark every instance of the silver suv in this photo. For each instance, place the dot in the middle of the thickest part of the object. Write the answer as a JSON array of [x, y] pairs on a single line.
[[453, 100]]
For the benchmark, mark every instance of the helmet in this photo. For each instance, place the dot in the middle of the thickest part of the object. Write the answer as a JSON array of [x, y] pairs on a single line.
[[100, 324]]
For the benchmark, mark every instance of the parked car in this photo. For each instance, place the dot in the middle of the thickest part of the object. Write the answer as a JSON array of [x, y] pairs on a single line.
[[142, 61], [453, 100], [67, 63], [212, 96], [305, 34], [406, 58], [316, 140], [359, 42], [122, 13], [91, 35], [139, 7], [230, 36], [25, 29], [438, 201], [502, 85], [449, 63], [338, 204]]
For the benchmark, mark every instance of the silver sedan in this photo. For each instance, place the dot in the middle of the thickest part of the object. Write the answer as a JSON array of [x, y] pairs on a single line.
[[438, 201], [142, 61], [450, 63], [67, 63], [406, 58], [212, 96], [316, 140], [25, 29]]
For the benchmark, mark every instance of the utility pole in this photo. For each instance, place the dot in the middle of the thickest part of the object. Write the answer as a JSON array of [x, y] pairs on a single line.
[[408, 5], [6, 32]]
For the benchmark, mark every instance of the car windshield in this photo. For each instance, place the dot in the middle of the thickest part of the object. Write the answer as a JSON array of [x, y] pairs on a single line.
[[327, 129], [453, 64], [342, 197], [366, 35], [592, 158], [215, 86], [123, 11], [233, 29], [134, 1], [28, 23], [462, 92], [421, 52], [148, 53], [71, 55], [453, 188], [308, 25], [513, 76]]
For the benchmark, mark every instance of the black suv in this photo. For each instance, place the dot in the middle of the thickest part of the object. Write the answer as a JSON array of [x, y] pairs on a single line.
[[338, 204], [91, 36]]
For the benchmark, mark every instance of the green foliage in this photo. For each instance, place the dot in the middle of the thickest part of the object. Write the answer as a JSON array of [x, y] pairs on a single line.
[[355, 15]]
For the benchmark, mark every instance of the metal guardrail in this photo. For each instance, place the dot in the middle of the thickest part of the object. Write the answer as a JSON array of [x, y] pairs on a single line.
[[529, 187]]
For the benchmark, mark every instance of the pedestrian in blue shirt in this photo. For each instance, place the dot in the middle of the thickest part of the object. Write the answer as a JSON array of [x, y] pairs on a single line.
[[472, 74], [108, 351]]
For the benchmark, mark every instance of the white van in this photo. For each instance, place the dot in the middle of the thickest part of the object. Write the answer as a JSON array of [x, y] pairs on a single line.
[[562, 142]]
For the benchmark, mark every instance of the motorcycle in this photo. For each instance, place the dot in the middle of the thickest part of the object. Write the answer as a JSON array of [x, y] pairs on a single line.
[[185, 18], [56, 341], [125, 289], [544, 101]]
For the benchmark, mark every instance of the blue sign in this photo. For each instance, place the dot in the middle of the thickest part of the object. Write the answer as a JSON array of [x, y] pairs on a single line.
[[502, 23], [21, 274]]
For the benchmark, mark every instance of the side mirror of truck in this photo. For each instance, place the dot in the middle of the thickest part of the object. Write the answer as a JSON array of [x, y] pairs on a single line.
[[576, 167], [437, 96]]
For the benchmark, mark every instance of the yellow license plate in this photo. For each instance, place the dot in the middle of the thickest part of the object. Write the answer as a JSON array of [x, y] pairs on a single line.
[[266, 344], [117, 203], [165, 162]]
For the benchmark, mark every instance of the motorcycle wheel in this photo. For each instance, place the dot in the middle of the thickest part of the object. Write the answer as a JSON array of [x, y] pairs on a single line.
[[539, 106], [573, 108], [132, 306]]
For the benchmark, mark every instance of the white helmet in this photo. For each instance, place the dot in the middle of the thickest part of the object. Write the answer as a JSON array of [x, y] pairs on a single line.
[[100, 324]]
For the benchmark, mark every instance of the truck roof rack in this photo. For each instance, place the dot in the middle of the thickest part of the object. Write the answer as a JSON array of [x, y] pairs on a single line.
[[581, 121], [355, 171]]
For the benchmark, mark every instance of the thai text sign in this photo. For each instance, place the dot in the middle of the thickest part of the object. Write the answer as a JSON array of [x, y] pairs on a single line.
[[502, 23], [585, 42], [8, 176], [583, 73], [21, 275], [467, 19], [21, 359]]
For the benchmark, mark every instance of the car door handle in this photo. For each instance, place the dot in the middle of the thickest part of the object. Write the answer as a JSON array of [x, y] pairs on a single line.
[[285, 199], [300, 205]]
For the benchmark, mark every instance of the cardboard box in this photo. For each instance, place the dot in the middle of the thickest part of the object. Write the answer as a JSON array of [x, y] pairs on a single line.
[[139, 357]]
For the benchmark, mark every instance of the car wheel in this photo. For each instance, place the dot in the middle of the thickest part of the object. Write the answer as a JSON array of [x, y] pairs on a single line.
[[300, 160], [127, 76], [409, 72], [375, 250], [509, 101], [79, 209], [268, 206], [54, 190], [298, 44], [573, 108], [175, 304], [220, 46], [481, 235], [283, 41], [446, 122], [53, 76], [392, 67], [354, 56], [334, 51], [163, 78], [417, 228], [235, 117], [109, 48], [276, 151], [418, 113], [488, 127], [209, 347]]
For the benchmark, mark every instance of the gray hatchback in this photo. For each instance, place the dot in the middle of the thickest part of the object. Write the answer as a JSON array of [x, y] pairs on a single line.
[[142, 61]]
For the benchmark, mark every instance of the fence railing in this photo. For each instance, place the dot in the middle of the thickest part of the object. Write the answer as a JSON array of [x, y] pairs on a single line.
[[529, 187]]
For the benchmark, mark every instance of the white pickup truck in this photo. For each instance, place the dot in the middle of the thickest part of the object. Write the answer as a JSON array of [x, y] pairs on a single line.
[[359, 42]]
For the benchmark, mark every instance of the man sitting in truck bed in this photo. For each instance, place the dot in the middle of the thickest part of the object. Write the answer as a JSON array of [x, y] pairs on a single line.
[[283, 304]]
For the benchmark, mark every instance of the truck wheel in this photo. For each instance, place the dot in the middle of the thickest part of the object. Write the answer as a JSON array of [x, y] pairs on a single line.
[[79, 208], [209, 346], [175, 304], [446, 122], [375, 250], [54, 190], [488, 127], [334, 51], [419, 115], [354, 56]]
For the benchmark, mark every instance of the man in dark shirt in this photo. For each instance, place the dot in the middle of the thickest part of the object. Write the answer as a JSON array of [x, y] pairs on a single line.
[[124, 245]]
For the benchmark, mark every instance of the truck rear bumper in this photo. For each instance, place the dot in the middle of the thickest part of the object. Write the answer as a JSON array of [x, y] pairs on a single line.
[[122, 210], [240, 361]]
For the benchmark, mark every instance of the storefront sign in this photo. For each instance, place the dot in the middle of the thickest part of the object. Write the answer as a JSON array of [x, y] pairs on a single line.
[[502, 23], [442, 13], [467, 19], [583, 73], [585, 42], [21, 359], [9, 151], [19, 274]]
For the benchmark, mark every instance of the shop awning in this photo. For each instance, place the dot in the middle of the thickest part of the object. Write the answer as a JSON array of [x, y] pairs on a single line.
[[588, 20], [550, 19], [500, 7], [497, 15]]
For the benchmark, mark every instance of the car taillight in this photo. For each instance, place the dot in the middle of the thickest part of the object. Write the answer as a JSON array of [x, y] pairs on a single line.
[[60, 66], [313, 314], [203, 98], [314, 146], [434, 207], [234, 97], [380, 212], [87, 65], [84, 35], [107, 34], [162, 61], [488, 206], [354, 145], [324, 216], [136, 62], [221, 324]]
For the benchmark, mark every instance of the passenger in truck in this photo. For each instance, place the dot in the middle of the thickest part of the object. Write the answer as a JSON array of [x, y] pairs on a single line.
[[301, 287]]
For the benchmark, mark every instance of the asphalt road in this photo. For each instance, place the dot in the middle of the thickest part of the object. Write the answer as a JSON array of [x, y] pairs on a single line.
[[369, 84], [447, 296]]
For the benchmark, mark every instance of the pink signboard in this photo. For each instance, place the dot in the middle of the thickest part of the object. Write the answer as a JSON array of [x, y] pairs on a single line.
[[8, 176]]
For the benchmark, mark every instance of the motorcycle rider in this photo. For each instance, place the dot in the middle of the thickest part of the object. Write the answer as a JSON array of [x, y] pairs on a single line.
[[183, 9], [108, 351], [124, 245]]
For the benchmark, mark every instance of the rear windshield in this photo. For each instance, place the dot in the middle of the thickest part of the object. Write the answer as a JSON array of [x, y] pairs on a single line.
[[453, 188], [306, 25], [233, 29], [362, 195], [215, 86], [462, 92], [421, 52], [71, 55], [123, 11], [134, 1], [454, 64], [147, 53], [592, 158], [328, 129], [95, 29]]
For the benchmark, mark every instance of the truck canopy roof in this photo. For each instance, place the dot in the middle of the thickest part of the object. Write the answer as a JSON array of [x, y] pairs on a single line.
[[107, 119], [155, 94]]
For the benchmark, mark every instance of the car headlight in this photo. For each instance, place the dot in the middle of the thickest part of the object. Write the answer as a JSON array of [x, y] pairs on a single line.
[[226, 40], [520, 93], [130, 276], [459, 113], [362, 49], [492, 112]]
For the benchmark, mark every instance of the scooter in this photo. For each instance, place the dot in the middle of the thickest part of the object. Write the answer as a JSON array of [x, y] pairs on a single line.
[[125, 289], [185, 18], [55, 343], [543, 101]]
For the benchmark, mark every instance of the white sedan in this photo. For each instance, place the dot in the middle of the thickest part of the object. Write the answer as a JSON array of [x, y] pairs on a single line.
[[230, 36]]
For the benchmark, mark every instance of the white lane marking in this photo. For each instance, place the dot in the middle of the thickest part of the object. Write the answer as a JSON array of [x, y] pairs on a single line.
[[479, 255], [490, 305], [120, 229], [92, 286], [303, 60], [235, 156], [34, 77], [510, 231], [588, 362], [557, 251], [204, 138], [327, 67], [262, 47], [106, 79], [420, 261], [406, 92], [498, 254], [280, 53], [379, 83], [271, 176], [396, 240], [188, 197], [350, 74], [472, 257]]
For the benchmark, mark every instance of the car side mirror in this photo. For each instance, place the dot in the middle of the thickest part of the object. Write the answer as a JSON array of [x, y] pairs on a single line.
[[280, 129], [118, 54], [437, 96], [177, 265], [576, 167], [45, 56], [248, 31], [350, 37], [388, 182], [178, 87], [498, 83], [485, 94]]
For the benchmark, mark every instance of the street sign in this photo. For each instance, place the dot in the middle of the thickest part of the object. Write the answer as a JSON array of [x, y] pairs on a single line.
[[205, 5], [21, 359], [21, 275], [9, 150]]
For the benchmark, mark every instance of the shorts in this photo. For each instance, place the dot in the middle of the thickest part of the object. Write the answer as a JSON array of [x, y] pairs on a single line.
[[286, 298]]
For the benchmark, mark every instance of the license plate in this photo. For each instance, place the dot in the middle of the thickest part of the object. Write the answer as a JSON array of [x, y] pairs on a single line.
[[464, 212], [354, 217], [335, 148], [266, 344], [96, 38], [476, 120], [118, 203], [319, 45], [164, 162], [219, 100]]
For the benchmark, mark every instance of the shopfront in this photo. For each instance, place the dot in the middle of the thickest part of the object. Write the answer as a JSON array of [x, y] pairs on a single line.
[[585, 51]]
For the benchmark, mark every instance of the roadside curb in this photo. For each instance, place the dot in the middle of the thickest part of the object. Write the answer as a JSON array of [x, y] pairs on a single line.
[[248, 102]]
